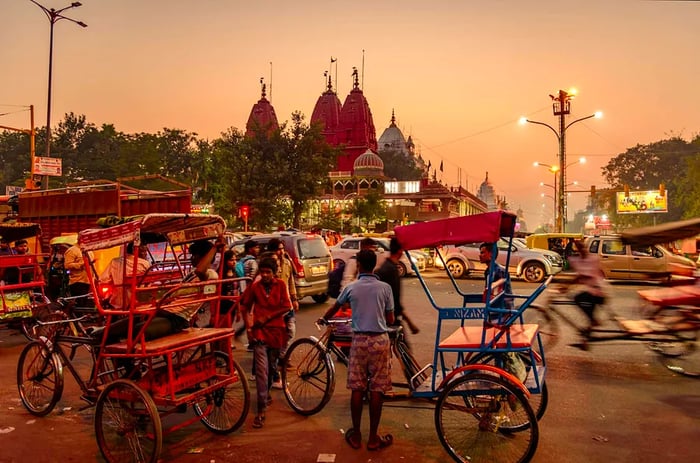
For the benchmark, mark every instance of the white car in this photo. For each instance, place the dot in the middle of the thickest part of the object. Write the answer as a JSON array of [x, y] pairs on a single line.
[[349, 246]]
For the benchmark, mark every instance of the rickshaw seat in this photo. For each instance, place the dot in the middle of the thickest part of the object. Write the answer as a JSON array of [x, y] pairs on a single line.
[[187, 337], [470, 337], [679, 295]]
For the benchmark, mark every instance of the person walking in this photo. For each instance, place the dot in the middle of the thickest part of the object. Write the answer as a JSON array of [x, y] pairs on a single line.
[[369, 366], [589, 277], [388, 272], [264, 303]]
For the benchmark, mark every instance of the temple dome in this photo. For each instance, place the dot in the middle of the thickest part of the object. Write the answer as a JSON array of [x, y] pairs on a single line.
[[369, 164]]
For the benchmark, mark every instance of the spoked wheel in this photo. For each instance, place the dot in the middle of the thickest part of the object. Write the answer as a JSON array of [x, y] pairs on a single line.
[[538, 401], [475, 416], [682, 357], [308, 377], [546, 320], [224, 410], [39, 378], [127, 424]]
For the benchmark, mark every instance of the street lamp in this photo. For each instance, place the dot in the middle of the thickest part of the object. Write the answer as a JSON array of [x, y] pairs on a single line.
[[555, 171], [54, 16], [561, 106]]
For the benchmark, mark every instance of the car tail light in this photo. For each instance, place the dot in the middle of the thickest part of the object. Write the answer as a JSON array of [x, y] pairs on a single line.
[[105, 291], [299, 267]]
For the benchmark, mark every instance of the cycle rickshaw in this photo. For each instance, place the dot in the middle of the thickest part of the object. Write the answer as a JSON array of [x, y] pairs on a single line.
[[22, 296], [670, 316], [140, 378], [483, 411]]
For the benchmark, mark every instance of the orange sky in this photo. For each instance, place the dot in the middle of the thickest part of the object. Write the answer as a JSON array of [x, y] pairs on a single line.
[[459, 74]]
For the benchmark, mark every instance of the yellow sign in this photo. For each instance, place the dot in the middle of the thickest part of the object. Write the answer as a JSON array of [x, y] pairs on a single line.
[[16, 305], [642, 202]]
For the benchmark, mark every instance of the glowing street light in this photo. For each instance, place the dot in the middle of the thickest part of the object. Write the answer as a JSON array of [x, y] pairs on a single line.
[[561, 106]]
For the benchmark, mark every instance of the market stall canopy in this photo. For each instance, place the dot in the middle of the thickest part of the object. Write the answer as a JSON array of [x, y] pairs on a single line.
[[664, 233], [487, 227]]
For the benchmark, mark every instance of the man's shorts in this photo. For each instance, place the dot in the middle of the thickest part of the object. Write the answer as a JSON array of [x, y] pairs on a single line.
[[370, 362]]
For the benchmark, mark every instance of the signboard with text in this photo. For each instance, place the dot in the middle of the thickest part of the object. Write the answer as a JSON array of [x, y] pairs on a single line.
[[48, 166], [642, 202]]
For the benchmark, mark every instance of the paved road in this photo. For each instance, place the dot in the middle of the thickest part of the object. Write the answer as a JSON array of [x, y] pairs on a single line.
[[614, 403]]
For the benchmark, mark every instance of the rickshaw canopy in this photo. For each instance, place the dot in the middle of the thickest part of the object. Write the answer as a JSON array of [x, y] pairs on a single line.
[[487, 227], [13, 231], [151, 228], [663, 233]]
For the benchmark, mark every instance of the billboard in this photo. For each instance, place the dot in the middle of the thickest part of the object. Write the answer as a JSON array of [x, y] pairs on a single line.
[[642, 202], [48, 166]]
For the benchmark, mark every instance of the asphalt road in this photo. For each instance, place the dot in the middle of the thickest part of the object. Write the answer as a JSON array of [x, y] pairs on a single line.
[[613, 403]]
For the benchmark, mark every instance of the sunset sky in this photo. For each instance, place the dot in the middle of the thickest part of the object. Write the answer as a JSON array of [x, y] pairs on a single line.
[[459, 74]]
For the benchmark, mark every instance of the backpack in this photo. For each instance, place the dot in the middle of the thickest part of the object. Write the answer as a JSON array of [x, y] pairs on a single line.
[[335, 279], [240, 265]]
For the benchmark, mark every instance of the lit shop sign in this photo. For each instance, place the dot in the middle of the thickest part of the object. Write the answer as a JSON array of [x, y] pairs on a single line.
[[642, 202], [401, 187]]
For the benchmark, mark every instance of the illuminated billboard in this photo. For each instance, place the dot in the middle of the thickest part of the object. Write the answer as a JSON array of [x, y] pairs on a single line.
[[641, 202]]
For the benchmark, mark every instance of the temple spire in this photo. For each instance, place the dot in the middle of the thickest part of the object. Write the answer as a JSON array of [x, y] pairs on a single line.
[[355, 78], [263, 87], [393, 117]]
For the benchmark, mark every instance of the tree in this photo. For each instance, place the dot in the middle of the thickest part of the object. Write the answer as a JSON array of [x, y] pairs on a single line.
[[371, 208], [399, 166]]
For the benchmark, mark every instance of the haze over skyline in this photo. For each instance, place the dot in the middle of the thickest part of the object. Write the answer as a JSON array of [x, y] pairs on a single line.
[[458, 75]]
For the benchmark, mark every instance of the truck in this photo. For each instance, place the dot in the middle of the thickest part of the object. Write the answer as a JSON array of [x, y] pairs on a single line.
[[79, 205]]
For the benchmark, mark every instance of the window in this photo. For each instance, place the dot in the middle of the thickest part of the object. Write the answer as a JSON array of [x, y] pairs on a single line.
[[614, 248]]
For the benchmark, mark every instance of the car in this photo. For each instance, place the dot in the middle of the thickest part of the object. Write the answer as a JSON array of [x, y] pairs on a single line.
[[533, 265], [310, 257], [620, 261], [350, 245]]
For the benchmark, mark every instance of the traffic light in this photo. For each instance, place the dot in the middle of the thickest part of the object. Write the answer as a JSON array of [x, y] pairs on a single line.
[[243, 211], [662, 190], [627, 191], [592, 191]]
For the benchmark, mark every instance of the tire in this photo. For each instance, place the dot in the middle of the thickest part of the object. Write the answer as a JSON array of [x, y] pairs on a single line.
[[127, 424], [225, 409], [402, 270], [469, 417], [538, 401], [320, 298], [545, 318], [457, 268], [534, 272], [39, 378], [308, 376]]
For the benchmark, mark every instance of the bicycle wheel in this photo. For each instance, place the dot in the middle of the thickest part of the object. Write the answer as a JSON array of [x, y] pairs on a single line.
[[308, 377], [539, 401], [225, 409], [682, 357], [474, 416], [39, 378], [127, 424], [545, 317]]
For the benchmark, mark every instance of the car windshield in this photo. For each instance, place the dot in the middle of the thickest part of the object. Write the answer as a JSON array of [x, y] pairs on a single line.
[[312, 248]]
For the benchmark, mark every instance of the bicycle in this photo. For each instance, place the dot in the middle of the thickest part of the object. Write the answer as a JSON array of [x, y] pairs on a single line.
[[308, 376]]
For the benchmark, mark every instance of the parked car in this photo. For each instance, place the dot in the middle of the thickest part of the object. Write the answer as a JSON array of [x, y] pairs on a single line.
[[619, 261], [310, 256], [533, 265], [350, 245]]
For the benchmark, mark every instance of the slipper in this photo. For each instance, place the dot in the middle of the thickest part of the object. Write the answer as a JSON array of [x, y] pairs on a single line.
[[353, 438], [259, 421], [383, 442]]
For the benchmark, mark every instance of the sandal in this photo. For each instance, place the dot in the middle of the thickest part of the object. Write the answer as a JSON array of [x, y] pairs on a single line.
[[259, 421], [353, 438], [382, 442]]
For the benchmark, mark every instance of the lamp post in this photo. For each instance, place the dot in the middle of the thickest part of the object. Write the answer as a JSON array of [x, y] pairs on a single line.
[[555, 171], [561, 106], [54, 16]]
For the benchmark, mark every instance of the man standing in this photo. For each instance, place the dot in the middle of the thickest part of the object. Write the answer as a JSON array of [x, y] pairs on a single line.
[[488, 253], [119, 268], [369, 367], [388, 272], [74, 264], [351, 268]]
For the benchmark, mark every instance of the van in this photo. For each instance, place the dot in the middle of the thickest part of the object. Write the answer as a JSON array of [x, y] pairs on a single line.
[[310, 257], [620, 261]]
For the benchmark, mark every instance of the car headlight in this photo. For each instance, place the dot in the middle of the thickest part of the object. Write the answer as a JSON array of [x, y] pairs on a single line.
[[554, 259]]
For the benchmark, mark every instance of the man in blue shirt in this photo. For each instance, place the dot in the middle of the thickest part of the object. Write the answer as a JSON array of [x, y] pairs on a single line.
[[488, 256], [372, 305]]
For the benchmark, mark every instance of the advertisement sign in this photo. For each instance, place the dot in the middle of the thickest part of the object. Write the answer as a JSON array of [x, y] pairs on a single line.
[[642, 202], [48, 166]]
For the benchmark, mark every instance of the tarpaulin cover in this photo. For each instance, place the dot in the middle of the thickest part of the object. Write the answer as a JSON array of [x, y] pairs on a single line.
[[149, 224], [664, 233], [457, 230]]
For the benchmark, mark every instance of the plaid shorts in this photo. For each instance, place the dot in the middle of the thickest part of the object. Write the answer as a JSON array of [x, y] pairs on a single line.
[[370, 362]]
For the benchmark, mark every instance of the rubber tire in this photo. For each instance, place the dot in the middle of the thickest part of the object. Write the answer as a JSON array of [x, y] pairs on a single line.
[[147, 410], [534, 272], [312, 372], [402, 270], [457, 268], [473, 429], [34, 356], [320, 298], [220, 398]]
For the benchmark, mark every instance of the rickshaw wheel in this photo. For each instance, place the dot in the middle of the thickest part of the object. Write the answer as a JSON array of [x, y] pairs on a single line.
[[127, 424], [308, 377], [474, 418], [225, 409], [39, 378]]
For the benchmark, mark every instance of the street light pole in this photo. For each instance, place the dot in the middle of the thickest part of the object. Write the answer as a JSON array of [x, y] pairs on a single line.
[[561, 106], [54, 16]]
